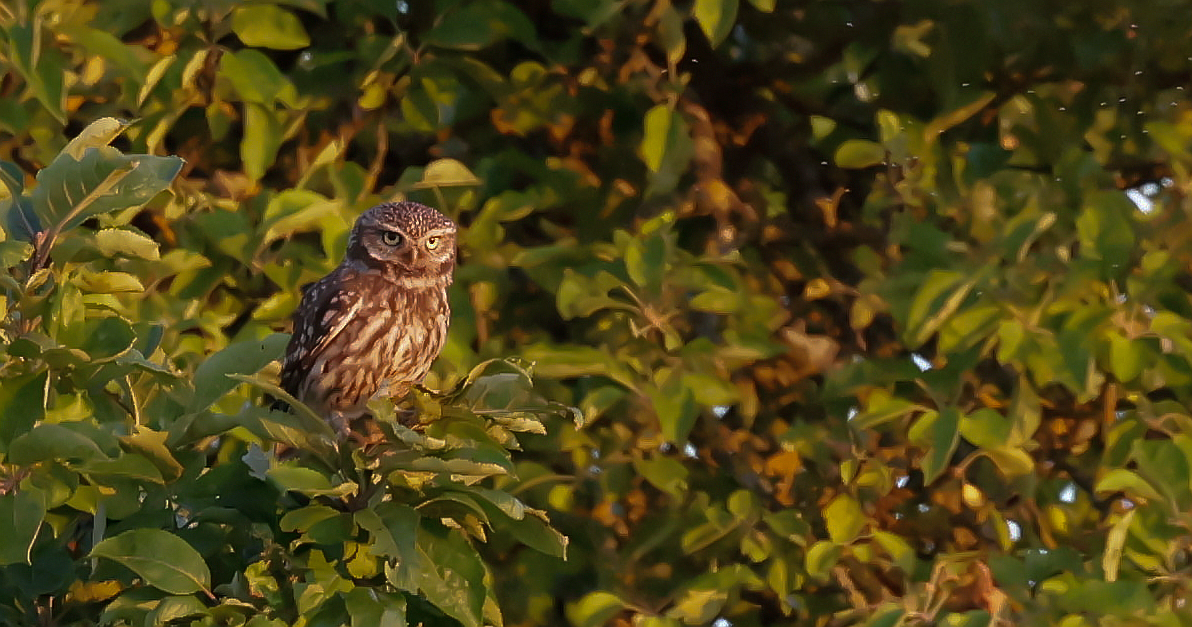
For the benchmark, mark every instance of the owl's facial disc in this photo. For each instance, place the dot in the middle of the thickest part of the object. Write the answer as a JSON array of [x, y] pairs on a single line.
[[406, 238]]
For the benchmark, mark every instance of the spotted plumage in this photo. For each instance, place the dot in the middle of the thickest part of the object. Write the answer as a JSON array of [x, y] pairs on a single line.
[[374, 324]]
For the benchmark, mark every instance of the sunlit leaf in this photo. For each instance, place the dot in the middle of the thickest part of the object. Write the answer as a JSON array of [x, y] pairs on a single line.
[[594, 609], [715, 18], [667, 140], [162, 559], [114, 242], [859, 153], [268, 26], [820, 559], [1121, 479], [844, 519], [262, 139], [97, 134], [446, 173]]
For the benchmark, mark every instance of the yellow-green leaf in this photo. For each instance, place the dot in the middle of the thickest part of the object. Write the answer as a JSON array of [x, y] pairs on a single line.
[[268, 26], [715, 18], [1122, 480], [820, 559], [859, 153], [446, 173], [112, 242], [107, 282], [844, 519], [162, 559], [1114, 542]]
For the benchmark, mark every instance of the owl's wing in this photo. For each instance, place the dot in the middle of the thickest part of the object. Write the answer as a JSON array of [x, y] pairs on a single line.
[[325, 310]]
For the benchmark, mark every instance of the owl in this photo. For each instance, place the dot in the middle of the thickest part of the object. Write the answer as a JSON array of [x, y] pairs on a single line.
[[373, 325]]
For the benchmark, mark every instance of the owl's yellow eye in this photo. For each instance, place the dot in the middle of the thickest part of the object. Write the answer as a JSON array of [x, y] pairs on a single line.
[[391, 238], [432, 242]]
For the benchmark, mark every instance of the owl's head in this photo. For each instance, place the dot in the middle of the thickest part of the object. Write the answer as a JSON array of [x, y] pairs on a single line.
[[406, 238]]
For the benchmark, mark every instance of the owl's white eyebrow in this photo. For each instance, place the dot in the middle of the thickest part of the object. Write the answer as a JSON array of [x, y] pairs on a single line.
[[438, 232]]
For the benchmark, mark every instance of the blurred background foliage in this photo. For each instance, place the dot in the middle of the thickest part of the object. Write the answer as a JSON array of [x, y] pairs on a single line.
[[877, 312]]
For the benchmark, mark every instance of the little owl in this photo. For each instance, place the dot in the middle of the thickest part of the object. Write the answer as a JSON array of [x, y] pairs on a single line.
[[374, 325]]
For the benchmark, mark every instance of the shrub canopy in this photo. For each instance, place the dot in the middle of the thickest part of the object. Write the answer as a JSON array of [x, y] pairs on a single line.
[[832, 313]]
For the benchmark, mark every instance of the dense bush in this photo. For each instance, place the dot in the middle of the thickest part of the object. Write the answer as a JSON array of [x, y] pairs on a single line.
[[875, 312]]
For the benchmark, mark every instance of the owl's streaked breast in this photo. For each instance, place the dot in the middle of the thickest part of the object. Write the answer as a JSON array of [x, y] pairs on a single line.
[[389, 343]]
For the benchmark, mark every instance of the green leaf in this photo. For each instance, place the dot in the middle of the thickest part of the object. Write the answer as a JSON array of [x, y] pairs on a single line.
[[446, 173], [535, 532], [129, 466], [97, 134], [21, 513], [667, 140], [985, 427], [255, 77], [303, 518], [262, 139], [580, 295], [859, 153], [881, 408], [394, 529], [715, 18], [675, 405], [665, 473], [595, 609], [152, 445], [458, 468], [42, 66], [22, 405], [309, 482], [844, 519], [107, 338], [162, 559], [717, 300], [452, 576], [175, 608], [268, 26], [1012, 461], [113, 242], [1105, 228], [645, 260], [369, 607], [940, 432], [670, 35], [107, 282], [1127, 358], [1115, 541], [820, 559], [698, 606], [71, 190], [475, 25], [1166, 467], [211, 379], [1122, 480], [13, 178], [938, 297], [898, 548], [295, 210], [53, 441]]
